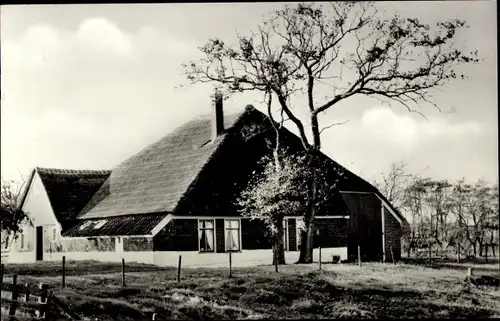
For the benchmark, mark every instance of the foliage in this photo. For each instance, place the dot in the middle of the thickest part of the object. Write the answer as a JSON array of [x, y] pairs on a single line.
[[275, 192], [12, 217]]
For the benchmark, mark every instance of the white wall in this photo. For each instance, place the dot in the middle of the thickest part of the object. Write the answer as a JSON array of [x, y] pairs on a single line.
[[139, 257], [241, 259], [193, 258], [37, 204], [38, 207]]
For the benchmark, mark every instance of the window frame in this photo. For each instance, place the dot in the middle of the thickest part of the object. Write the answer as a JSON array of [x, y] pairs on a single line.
[[214, 238], [232, 229]]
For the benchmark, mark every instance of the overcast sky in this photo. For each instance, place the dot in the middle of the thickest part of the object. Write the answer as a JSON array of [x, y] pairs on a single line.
[[86, 86]]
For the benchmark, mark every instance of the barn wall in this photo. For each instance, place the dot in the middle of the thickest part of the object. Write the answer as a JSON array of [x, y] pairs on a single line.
[[393, 234], [364, 226]]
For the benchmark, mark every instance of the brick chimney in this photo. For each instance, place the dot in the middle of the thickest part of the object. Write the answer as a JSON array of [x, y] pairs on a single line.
[[217, 116]]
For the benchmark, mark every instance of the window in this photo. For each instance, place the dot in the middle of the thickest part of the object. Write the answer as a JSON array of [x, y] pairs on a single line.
[[85, 225], [232, 235], [54, 234], [99, 224], [206, 235]]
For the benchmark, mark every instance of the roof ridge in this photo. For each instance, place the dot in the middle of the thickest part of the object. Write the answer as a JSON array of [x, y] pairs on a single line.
[[67, 171]]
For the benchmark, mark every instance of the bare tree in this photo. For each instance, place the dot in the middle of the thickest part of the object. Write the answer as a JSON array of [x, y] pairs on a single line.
[[476, 212], [345, 49], [12, 217]]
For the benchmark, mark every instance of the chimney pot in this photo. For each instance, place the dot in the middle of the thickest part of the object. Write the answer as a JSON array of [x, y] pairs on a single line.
[[217, 116]]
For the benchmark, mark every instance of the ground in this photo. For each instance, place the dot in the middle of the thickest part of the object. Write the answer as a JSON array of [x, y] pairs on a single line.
[[373, 290]]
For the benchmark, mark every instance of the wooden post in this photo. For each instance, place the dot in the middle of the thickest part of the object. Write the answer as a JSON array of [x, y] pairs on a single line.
[[15, 296], [1, 272], [359, 255], [320, 257], [154, 317], [230, 265], [276, 265], [179, 269], [458, 252], [27, 292], [64, 271], [469, 271], [43, 299], [123, 272]]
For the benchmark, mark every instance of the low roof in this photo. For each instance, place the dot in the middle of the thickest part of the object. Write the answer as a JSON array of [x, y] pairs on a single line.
[[116, 226]]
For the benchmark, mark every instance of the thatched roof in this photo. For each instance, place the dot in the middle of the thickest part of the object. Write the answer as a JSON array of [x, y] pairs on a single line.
[[154, 180], [70, 190]]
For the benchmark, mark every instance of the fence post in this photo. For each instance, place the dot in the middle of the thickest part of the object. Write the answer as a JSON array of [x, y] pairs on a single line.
[[230, 265], [179, 269], [320, 257], [154, 317], [43, 299], [469, 271], [27, 292], [123, 272], [15, 295], [430, 254], [1, 281], [359, 255], [458, 252], [64, 271]]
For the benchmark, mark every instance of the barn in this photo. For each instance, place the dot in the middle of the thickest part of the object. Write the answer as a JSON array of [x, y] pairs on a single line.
[[177, 197]]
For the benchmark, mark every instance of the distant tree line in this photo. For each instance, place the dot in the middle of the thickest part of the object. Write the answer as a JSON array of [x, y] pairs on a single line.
[[444, 216]]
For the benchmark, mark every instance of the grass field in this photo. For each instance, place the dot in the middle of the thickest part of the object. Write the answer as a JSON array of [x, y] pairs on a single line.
[[298, 291]]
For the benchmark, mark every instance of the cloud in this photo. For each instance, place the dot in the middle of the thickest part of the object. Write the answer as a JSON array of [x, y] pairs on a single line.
[[90, 96], [406, 131], [381, 136]]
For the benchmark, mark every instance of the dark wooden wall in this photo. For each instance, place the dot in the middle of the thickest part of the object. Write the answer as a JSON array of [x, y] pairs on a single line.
[[393, 234], [178, 235], [365, 226], [331, 232]]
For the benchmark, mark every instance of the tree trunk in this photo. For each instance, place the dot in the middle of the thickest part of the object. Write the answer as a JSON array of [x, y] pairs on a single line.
[[279, 247], [306, 250]]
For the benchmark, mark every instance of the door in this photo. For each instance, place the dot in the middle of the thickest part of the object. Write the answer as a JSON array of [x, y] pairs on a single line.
[[39, 243]]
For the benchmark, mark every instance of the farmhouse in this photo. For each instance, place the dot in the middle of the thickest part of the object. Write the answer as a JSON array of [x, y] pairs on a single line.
[[177, 196]]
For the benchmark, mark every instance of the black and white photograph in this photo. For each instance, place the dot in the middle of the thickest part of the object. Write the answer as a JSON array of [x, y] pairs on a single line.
[[249, 160]]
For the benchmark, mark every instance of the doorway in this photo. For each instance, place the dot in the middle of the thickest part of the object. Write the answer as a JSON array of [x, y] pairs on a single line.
[[39, 243]]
